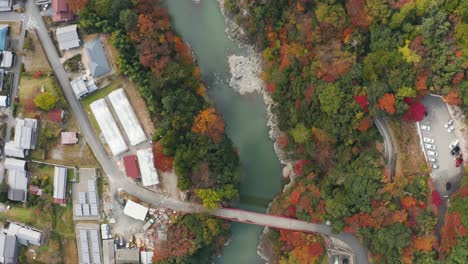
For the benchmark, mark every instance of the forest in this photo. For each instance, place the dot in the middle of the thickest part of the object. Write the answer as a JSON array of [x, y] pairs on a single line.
[[189, 133], [331, 66]]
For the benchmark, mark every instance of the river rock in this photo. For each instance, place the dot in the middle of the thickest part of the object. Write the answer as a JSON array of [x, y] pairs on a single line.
[[245, 73]]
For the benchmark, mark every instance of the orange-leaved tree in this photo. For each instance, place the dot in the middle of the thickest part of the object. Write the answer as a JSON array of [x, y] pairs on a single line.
[[77, 5], [387, 103], [209, 123], [161, 161]]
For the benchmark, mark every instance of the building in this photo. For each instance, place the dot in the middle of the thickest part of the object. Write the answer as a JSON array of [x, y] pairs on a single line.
[[88, 243], [8, 249], [56, 115], [127, 117], [149, 175], [69, 138], [82, 87], [26, 235], [35, 190], [67, 37], [146, 257], [131, 166], [6, 59], [4, 30], [12, 151], [2, 76], [60, 185], [108, 251], [95, 58], [4, 100], [135, 210], [126, 256], [85, 196], [5, 5], [17, 179], [108, 126], [60, 11], [26, 133]]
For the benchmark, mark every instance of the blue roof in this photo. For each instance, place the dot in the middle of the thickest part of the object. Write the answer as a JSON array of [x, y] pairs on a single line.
[[97, 64], [3, 36]]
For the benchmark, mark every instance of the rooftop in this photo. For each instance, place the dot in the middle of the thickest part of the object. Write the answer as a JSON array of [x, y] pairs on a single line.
[[97, 60], [131, 166], [149, 175], [55, 115], [67, 37], [3, 36], [135, 210], [60, 11], [60, 185], [69, 138]]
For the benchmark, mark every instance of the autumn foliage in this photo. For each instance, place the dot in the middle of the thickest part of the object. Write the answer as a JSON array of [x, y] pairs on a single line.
[[303, 247], [362, 101], [209, 123], [357, 12], [387, 103], [77, 5], [423, 243], [449, 232], [178, 243], [365, 124], [161, 161], [452, 98], [415, 112]]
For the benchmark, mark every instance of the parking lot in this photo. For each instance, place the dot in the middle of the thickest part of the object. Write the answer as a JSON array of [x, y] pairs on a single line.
[[437, 117]]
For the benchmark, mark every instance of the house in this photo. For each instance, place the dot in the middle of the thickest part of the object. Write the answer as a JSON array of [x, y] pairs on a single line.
[[5, 5], [149, 175], [26, 133], [4, 36], [95, 58], [60, 185], [8, 249], [26, 235], [56, 115], [131, 166], [69, 138], [6, 59], [81, 87], [125, 256], [60, 11], [67, 37], [17, 179], [135, 210]]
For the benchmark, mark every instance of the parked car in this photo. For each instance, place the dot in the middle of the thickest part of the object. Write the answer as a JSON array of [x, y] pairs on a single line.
[[455, 151], [454, 143], [435, 166], [450, 129], [449, 123], [432, 160], [458, 162], [425, 127], [428, 140], [448, 185], [432, 153], [429, 146]]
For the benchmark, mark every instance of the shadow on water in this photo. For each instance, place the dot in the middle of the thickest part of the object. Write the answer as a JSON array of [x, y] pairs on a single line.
[[202, 26]]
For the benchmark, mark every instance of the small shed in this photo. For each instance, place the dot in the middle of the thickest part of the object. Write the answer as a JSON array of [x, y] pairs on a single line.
[[69, 138], [131, 166], [56, 115], [4, 100], [135, 210], [60, 185], [67, 37]]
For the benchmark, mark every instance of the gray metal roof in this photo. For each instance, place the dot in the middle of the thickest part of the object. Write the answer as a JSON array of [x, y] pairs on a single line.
[[149, 175], [67, 37], [9, 248], [127, 256], [12, 151], [79, 88], [5, 5], [26, 133], [89, 249], [25, 234], [108, 251], [97, 60], [60, 182], [17, 184]]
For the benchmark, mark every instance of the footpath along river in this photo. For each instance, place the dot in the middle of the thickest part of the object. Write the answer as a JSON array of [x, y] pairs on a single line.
[[202, 26]]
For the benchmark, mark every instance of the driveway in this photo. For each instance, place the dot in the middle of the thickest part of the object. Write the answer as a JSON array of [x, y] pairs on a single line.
[[438, 115]]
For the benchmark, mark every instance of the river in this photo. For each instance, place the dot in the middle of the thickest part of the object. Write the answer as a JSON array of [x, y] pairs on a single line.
[[202, 26]]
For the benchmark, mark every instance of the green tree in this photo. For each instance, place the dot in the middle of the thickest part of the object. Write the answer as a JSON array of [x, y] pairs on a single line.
[[331, 98], [213, 197], [46, 101], [128, 18], [300, 133]]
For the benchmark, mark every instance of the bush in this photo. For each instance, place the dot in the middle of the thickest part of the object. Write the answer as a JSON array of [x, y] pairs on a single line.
[[46, 101]]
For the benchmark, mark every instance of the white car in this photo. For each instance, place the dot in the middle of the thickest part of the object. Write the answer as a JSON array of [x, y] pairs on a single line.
[[429, 146], [432, 160], [432, 153], [448, 124], [425, 127], [428, 140], [454, 143], [450, 129], [435, 166]]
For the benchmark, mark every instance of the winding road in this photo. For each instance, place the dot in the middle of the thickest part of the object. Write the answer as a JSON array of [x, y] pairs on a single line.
[[118, 180], [390, 152]]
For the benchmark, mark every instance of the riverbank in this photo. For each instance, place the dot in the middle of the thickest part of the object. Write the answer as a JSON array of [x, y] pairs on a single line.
[[245, 78]]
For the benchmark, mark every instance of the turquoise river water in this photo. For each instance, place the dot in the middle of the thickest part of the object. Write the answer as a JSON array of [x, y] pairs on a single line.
[[202, 26]]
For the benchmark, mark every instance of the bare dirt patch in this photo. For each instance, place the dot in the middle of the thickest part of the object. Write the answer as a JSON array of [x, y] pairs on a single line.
[[35, 58], [410, 159], [139, 106]]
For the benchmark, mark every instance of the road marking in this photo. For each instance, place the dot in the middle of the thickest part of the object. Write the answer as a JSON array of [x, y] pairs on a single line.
[[31, 23]]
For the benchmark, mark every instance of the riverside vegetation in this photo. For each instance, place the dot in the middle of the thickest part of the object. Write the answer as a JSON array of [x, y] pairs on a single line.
[[330, 66]]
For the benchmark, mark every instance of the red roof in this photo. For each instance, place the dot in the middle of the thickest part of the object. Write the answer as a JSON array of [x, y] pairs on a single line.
[[55, 115], [131, 166], [60, 11], [33, 189]]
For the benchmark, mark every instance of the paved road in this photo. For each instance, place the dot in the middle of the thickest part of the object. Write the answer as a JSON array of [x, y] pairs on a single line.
[[390, 152], [118, 180]]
